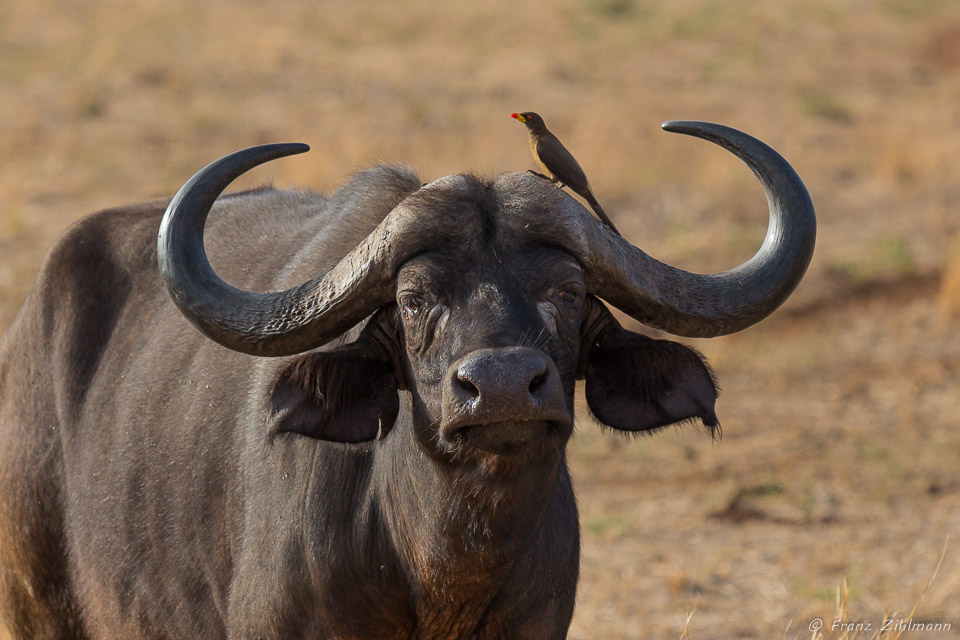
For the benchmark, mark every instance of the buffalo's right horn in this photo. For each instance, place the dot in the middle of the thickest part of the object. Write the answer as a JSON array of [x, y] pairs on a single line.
[[276, 323]]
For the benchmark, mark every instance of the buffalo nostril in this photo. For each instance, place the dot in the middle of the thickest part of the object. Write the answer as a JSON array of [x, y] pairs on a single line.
[[537, 382], [463, 381], [502, 385]]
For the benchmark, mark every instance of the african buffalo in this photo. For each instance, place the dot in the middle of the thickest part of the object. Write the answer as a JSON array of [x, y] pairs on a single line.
[[377, 451]]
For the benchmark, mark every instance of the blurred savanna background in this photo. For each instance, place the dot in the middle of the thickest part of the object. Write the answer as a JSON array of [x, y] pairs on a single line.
[[840, 457]]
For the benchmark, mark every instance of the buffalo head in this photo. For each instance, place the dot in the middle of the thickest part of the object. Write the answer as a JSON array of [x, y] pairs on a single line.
[[483, 302]]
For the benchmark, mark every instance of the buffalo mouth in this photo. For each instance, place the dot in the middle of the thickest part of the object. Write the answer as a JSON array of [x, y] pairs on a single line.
[[512, 436]]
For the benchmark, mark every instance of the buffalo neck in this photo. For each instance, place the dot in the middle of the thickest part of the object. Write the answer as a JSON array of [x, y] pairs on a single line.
[[458, 530]]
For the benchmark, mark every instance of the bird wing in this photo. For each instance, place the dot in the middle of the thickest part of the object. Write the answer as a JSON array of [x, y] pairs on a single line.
[[562, 164]]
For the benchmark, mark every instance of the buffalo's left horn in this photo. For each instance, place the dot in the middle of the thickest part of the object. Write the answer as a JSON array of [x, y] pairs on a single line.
[[706, 305]]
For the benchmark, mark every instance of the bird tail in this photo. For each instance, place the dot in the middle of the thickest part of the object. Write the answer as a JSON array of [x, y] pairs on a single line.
[[601, 213]]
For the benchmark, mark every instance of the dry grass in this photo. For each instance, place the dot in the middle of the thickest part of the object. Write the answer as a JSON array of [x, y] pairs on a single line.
[[948, 298], [840, 412], [836, 624]]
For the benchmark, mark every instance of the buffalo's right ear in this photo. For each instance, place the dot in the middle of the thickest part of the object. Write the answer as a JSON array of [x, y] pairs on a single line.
[[345, 395]]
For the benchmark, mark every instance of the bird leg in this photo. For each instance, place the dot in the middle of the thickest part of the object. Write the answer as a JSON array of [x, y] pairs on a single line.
[[555, 181]]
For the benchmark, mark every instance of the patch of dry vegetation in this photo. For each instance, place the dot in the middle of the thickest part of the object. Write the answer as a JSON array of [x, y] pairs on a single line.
[[840, 442], [948, 299]]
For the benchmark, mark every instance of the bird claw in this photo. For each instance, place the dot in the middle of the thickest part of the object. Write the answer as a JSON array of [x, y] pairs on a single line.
[[555, 181]]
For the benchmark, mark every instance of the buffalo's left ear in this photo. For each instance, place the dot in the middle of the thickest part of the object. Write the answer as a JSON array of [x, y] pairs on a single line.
[[348, 394], [636, 383]]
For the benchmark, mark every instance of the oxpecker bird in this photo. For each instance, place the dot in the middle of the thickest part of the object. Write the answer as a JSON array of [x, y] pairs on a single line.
[[558, 163]]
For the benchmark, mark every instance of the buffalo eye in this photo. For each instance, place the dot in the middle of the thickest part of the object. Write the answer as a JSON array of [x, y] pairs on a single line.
[[413, 304], [569, 297], [569, 294]]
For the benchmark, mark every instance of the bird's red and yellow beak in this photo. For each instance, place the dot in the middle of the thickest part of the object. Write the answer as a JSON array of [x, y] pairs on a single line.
[[517, 116]]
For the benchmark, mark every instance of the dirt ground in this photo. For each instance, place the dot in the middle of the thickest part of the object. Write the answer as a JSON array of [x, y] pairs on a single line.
[[840, 449]]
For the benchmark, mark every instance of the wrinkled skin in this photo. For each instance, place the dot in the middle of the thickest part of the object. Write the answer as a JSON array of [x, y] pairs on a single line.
[[407, 480]]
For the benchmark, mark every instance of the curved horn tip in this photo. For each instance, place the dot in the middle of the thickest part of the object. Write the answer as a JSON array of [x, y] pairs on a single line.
[[691, 127], [262, 153], [284, 148]]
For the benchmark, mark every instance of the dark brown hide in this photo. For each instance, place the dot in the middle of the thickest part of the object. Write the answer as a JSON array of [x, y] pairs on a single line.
[[403, 478]]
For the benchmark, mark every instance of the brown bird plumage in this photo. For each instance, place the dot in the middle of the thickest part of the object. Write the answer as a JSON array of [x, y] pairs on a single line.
[[558, 163]]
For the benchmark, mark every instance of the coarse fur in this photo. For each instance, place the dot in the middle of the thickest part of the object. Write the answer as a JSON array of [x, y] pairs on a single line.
[[154, 484]]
